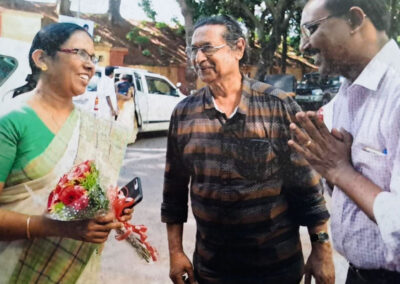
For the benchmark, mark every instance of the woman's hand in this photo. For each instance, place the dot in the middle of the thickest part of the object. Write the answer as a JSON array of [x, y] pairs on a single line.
[[127, 215], [94, 230]]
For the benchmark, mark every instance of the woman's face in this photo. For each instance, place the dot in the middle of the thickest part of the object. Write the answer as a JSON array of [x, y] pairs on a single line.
[[69, 72]]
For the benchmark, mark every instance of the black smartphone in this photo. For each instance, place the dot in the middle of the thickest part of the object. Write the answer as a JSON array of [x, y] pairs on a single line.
[[133, 189]]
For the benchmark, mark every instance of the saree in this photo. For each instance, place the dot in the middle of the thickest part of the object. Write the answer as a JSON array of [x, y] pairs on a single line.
[[55, 259], [127, 119]]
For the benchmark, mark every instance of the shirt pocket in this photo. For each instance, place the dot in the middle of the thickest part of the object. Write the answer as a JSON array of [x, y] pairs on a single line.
[[372, 164], [252, 158]]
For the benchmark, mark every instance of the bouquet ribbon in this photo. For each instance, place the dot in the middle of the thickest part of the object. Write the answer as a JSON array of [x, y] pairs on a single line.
[[119, 204]]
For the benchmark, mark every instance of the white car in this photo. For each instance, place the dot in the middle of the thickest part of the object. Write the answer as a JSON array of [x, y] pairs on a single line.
[[155, 97], [14, 66]]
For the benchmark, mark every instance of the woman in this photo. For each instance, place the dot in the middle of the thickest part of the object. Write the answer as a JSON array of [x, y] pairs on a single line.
[[126, 105], [42, 136]]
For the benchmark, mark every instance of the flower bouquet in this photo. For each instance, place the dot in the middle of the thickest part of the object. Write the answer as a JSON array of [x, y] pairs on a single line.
[[78, 194]]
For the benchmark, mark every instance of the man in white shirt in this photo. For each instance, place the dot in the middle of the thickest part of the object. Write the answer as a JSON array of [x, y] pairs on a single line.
[[360, 157], [107, 98]]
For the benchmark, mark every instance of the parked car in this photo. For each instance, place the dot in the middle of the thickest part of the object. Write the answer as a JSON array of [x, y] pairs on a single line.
[[315, 91], [284, 82], [14, 66], [155, 97]]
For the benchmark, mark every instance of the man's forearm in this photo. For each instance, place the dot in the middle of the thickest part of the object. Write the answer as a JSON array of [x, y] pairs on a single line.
[[108, 99], [359, 189], [175, 232]]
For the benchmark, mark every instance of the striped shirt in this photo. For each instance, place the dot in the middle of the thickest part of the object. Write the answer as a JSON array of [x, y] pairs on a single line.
[[249, 191]]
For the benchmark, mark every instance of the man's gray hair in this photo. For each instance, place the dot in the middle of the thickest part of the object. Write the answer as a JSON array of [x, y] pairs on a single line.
[[232, 34]]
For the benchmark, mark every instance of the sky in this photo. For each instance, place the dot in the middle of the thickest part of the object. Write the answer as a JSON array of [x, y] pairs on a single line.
[[166, 9]]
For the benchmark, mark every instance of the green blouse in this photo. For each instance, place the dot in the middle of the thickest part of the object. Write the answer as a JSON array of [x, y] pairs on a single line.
[[23, 137]]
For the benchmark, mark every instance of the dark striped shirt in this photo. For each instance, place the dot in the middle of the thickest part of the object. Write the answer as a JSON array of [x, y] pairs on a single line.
[[249, 191]]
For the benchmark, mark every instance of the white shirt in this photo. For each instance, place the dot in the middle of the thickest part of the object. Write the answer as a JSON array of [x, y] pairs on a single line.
[[370, 110], [106, 88]]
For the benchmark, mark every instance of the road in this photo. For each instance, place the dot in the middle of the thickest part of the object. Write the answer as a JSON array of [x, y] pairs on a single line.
[[120, 264]]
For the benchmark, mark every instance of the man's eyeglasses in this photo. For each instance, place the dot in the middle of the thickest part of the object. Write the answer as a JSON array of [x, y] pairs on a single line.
[[83, 55], [207, 50], [308, 29]]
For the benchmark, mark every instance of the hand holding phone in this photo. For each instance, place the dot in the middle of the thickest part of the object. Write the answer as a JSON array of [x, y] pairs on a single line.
[[133, 189]]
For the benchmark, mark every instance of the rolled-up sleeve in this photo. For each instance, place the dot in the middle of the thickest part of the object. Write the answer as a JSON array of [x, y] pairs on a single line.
[[302, 185], [174, 208], [386, 210]]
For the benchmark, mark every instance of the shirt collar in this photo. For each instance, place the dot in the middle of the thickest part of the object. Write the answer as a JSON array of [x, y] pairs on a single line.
[[375, 70], [244, 99]]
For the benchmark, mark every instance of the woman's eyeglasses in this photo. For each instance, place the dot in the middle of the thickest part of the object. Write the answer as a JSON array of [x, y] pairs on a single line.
[[83, 54]]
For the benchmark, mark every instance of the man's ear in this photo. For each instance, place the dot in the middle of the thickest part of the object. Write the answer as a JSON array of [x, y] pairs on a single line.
[[39, 58], [356, 18]]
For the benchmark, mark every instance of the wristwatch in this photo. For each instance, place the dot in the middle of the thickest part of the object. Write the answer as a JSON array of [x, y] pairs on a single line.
[[320, 237]]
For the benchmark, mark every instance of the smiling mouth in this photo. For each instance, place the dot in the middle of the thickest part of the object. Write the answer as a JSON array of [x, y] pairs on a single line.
[[84, 77]]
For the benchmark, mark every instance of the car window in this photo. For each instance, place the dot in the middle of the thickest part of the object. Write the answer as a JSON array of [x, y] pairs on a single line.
[[138, 81], [159, 86], [92, 86], [7, 67]]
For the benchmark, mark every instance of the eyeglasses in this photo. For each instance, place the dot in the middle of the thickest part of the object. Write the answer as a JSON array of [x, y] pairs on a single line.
[[83, 54], [207, 50], [309, 28]]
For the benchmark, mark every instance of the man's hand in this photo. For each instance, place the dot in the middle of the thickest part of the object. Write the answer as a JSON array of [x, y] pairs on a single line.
[[320, 265], [179, 266], [328, 153]]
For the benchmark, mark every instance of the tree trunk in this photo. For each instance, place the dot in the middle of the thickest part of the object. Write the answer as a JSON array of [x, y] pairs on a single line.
[[393, 17], [64, 7], [114, 15], [284, 52], [190, 74]]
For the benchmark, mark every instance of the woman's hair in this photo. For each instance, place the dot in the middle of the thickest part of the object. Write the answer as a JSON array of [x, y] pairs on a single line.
[[49, 39], [233, 30]]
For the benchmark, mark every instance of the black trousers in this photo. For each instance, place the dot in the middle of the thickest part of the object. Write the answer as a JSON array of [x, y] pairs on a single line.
[[371, 276]]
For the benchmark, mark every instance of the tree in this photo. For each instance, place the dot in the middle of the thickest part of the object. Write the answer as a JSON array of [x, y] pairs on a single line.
[[148, 9], [187, 12], [64, 7], [394, 9], [114, 15]]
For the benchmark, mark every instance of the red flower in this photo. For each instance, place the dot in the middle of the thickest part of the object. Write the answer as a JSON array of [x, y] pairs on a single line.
[[80, 203], [80, 171], [53, 199], [71, 193]]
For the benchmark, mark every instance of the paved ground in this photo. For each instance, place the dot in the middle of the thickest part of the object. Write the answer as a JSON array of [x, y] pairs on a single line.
[[120, 264]]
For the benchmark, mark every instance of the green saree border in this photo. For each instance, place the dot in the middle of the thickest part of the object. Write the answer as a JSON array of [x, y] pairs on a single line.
[[45, 162]]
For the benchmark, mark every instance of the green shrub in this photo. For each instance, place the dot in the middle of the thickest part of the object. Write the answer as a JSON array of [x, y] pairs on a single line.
[[161, 25], [141, 40], [146, 52]]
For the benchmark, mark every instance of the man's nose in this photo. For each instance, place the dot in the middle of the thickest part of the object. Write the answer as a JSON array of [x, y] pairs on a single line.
[[304, 43], [200, 56]]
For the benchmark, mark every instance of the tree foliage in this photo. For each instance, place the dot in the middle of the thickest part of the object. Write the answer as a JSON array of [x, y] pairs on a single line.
[[146, 5]]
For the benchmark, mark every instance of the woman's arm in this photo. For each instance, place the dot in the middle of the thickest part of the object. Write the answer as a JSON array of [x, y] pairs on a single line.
[[14, 226]]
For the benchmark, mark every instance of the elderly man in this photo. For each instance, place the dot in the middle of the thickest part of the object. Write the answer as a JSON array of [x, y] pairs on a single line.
[[361, 155], [249, 192]]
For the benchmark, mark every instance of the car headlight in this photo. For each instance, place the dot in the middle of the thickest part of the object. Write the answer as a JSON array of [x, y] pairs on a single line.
[[317, 92]]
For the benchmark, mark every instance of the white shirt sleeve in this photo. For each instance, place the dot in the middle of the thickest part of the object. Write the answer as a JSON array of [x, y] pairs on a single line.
[[386, 210]]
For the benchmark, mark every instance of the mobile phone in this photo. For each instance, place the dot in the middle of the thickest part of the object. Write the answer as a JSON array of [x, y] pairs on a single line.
[[133, 189]]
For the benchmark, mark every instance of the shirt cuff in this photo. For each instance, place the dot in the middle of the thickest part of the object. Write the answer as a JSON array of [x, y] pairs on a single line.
[[387, 216]]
